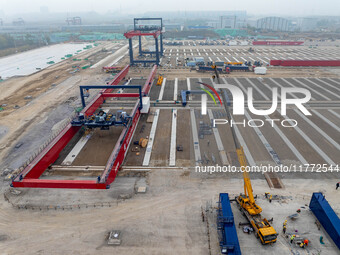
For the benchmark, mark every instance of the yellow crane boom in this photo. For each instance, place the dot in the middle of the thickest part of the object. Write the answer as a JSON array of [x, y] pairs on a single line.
[[246, 201]]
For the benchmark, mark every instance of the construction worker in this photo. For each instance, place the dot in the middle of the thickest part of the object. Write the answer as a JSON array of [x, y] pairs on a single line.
[[306, 241], [270, 198], [337, 185], [292, 238], [284, 226], [302, 245], [321, 240]]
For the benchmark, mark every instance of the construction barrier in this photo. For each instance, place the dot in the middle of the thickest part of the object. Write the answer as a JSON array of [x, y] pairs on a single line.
[[305, 62]]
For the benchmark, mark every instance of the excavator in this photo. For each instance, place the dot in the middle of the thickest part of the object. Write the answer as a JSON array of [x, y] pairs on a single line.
[[247, 204]]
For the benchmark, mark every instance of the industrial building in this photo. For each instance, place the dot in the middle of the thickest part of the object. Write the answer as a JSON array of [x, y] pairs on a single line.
[[274, 24]]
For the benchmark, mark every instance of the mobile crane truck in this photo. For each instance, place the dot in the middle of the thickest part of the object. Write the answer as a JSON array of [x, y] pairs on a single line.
[[262, 228]]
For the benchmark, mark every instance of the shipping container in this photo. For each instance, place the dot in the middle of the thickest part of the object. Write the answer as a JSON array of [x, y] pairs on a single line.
[[208, 68], [226, 227], [191, 63], [277, 43], [305, 62], [238, 68], [326, 216]]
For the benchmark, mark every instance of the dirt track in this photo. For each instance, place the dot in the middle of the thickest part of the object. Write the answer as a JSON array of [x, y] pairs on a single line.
[[46, 98]]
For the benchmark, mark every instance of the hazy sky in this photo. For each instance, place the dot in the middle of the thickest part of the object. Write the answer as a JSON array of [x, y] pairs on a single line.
[[284, 7]]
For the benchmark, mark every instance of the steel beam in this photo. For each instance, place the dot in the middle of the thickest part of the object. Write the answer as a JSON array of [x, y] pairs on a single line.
[[148, 82], [50, 154], [133, 33], [120, 150], [120, 95], [59, 184]]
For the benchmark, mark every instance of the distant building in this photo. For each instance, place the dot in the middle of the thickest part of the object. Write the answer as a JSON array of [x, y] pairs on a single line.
[[228, 21], [18, 22], [172, 26], [213, 15], [213, 24], [274, 24], [307, 23], [93, 28], [200, 27]]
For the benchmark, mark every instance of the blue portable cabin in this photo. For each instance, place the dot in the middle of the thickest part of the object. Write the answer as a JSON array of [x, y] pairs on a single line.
[[326, 216], [208, 68], [226, 227]]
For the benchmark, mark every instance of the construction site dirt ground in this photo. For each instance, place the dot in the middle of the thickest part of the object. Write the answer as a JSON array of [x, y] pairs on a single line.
[[167, 219]]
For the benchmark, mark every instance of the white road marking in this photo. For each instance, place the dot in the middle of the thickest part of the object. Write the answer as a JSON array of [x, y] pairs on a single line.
[[148, 151], [218, 139], [197, 150], [189, 88], [334, 113], [227, 59], [310, 142], [321, 87], [291, 84], [249, 157], [175, 89], [162, 90], [311, 123], [288, 142], [330, 85], [265, 143], [309, 88], [327, 120], [172, 159], [258, 90]]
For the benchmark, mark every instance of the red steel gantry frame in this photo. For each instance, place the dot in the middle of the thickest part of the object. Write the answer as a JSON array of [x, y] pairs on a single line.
[[30, 176], [129, 35]]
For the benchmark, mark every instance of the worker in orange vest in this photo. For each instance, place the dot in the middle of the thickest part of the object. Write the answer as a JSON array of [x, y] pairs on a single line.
[[306, 242]]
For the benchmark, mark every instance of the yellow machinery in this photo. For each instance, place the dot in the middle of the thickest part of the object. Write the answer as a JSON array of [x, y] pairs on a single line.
[[234, 63], [246, 201], [143, 142], [251, 210], [160, 80]]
